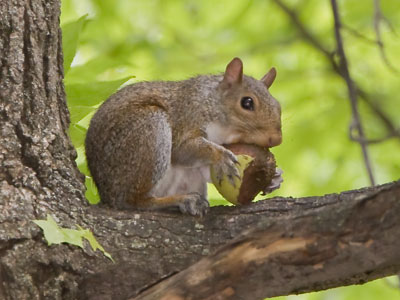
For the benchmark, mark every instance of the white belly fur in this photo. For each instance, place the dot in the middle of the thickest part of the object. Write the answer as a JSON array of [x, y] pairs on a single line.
[[180, 180]]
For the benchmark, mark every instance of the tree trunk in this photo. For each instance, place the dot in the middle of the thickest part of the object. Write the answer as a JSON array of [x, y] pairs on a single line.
[[279, 246], [38, 174]]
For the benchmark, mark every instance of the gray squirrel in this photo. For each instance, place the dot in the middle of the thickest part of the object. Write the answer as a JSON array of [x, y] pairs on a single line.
[[151, 144]]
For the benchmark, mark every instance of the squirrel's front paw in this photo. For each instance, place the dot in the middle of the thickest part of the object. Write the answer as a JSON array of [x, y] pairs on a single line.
[[194, 204], [226, 166]]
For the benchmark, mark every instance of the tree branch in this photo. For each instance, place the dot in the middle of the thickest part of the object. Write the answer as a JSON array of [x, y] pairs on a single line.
[[351, 238], [370, 141], [356, 124], [358, 34], [311, 39]]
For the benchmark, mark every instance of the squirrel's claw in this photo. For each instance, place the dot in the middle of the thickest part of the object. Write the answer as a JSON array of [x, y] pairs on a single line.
[[227, 167], [194, 204]]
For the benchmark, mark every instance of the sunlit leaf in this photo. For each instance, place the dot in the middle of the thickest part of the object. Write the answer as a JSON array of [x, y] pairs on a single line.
[[78, 112], [70, 37], [92, 93], [57, 235], [77, 134], [88, 235], [52, 233], [91, 194]]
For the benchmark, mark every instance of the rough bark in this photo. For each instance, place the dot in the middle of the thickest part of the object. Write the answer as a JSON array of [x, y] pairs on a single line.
[[38, 175], [37, 169]]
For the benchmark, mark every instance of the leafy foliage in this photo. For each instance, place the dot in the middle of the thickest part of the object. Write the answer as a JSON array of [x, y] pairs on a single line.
[[176, 39], [71, 33], [57, 235]]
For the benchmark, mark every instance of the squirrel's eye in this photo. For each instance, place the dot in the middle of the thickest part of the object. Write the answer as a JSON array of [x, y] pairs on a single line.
[[247, 103]]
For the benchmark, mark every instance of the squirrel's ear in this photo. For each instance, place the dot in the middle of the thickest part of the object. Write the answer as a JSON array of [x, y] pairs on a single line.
[[269, 78], [234, 71]]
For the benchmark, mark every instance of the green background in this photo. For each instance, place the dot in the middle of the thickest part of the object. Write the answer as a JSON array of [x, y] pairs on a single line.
[[108, 43]]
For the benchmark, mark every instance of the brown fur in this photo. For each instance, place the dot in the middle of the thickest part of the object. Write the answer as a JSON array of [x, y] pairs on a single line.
[[149, 129]]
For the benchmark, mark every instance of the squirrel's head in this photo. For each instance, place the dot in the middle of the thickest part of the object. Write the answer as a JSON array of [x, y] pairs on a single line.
[[252, 114]]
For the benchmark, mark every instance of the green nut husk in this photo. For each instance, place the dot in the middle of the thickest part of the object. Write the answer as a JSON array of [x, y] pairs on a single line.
[[256, 167], [225, 188]]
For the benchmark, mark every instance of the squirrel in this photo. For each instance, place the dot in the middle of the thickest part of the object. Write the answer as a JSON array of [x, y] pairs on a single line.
[[150, 145]]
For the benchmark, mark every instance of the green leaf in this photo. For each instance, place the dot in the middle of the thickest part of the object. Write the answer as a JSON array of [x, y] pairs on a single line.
[[78, 112], [95, 68], [92, 93], [70, 38], [57, 235], [77, 134], [52, 233], [72, 237], [92, 195], [88, 235]]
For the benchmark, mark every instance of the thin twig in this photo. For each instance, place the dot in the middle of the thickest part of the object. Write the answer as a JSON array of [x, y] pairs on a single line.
[[376, 108], [378, 17], [358, 34], [352, 92], [369, 141], [309, 37]]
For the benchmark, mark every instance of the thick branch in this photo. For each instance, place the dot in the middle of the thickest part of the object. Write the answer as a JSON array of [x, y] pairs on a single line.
[[351, 238]]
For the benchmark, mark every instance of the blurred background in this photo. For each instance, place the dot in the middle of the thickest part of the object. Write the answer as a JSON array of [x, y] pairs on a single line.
[[109, 43]]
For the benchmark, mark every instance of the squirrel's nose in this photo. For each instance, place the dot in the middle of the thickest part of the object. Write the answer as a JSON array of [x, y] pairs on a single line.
[[274, 139], [267, 139]]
